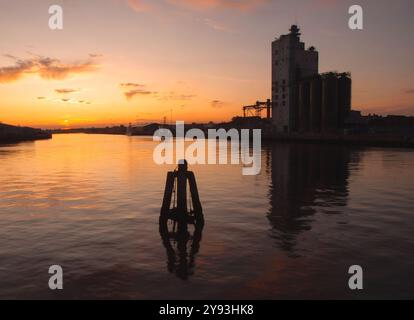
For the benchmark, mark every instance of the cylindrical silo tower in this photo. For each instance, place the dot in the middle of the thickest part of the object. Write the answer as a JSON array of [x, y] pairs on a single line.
[[329, 102], [315, 104], [344, 96], [304, 106]]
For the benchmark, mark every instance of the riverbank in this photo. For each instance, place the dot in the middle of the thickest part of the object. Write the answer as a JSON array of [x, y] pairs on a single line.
[[374, 139], [12, 134], [362, 139]]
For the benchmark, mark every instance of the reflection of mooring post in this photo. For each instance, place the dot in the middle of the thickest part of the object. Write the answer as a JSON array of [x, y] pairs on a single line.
[[176, 208], [182, 197]]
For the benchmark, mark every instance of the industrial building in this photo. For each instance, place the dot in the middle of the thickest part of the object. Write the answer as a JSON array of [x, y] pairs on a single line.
[[302, 99], [324, 103]]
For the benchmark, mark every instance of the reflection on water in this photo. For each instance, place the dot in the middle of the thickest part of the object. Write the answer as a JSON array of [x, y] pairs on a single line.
[[303, 177], [91, 203], [181, 251]]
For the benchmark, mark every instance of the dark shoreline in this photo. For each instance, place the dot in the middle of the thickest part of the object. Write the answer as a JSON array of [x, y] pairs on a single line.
[[13, 134], [363, 140], [360, 140]]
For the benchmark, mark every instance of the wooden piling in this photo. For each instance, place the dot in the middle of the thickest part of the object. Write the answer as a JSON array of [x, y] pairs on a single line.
[[179, 212]]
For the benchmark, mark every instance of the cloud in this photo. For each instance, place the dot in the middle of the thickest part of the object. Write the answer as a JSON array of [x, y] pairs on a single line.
[[55, 69], [409, 91], [66, 91], [217, 104], [131, 93], [241, 5], [174, 96], [132, 89], [142, 6], [139, 5], [44, 67], [131, 85], [216, 25], [10, 56], [14, 73], [95, 55], [65, 100]]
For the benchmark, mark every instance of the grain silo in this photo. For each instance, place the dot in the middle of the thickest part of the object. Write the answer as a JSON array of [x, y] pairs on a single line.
[[329, 102], [344, 97], [315, 104], [304, 106]]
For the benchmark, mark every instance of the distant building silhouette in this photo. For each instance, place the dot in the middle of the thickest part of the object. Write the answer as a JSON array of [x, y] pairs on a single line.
[[302, 99]]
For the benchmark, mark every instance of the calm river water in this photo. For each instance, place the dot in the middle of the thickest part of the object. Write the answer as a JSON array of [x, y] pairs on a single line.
[[90, 203]]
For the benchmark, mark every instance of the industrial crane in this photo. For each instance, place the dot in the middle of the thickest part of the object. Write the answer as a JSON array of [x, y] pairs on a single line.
[[256, 109]]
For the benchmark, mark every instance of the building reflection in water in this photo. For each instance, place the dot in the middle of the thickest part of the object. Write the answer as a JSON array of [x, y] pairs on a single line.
[[181, 249], [305, 178]]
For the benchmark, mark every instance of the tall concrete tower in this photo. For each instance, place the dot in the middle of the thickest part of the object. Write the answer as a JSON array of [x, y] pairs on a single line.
[[291, 62]]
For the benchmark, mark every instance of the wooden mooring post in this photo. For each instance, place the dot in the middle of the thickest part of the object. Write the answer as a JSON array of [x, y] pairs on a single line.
[[175, 203]]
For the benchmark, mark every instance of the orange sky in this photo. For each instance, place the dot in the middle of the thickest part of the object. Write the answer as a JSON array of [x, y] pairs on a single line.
[[120, 61]]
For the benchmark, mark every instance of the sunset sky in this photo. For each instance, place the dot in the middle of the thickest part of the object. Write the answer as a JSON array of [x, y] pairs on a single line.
[[120, 61]]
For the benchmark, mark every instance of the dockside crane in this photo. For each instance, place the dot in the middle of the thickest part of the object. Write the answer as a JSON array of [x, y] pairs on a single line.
[[256, 109]]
